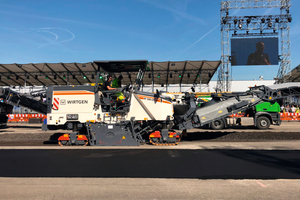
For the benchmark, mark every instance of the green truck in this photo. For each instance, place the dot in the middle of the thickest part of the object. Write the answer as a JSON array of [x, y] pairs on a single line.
[[220, 110]]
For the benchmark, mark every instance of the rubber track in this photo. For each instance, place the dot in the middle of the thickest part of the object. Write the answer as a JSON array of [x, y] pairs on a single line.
[[164, 144], [68, 144]]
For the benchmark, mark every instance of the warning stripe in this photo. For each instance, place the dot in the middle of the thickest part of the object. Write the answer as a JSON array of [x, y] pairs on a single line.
[[56, 100], [55, 107], [55, 103]]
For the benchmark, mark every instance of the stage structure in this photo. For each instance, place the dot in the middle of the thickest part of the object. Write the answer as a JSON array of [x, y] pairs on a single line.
[[254, 27]]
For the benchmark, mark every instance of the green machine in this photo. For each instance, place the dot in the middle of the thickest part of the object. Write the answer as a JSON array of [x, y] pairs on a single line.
[[268, 107]]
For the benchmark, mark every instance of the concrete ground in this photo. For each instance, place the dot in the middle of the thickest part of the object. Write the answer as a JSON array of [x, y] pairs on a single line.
[[152, 189]]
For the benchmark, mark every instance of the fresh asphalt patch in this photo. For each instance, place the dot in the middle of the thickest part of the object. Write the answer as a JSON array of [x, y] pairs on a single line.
[[150, 163]]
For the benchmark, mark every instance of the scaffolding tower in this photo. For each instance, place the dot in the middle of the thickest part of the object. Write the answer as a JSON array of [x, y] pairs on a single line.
[[254, 26]]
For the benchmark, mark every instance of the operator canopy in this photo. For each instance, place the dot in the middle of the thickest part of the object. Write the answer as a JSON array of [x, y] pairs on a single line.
[[122, 65]]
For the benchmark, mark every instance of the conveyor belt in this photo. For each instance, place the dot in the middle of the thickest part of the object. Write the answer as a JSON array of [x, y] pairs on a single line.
[[17, 99]]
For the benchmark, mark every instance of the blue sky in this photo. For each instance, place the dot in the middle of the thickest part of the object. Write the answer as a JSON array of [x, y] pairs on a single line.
[[35, 31]]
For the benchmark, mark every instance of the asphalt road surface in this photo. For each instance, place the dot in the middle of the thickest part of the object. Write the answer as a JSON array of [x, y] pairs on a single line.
[[144, 163]]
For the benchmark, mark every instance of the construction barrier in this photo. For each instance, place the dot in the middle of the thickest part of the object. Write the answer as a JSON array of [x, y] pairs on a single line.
[[24, 117], [283, 116], [237, 115], [290, 116]]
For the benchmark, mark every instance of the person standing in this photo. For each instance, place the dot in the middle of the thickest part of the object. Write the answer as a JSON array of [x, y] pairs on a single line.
[[287, 109], [281, 108], [297, 109], [293, 109]]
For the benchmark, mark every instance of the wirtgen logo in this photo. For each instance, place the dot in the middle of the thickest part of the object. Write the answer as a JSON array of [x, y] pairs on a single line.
[[77, 101], [63, 102]]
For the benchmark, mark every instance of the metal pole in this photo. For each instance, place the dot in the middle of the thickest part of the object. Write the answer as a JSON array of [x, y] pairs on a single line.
[[200, 82], [152, 77], [25, 84]]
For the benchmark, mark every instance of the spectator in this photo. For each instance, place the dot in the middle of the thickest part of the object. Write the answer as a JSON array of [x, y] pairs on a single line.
[[293, 109], [281, 108], [287, 109], [297, 109]]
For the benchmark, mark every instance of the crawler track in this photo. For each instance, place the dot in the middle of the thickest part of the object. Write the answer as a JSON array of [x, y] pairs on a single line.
[[164, 144]]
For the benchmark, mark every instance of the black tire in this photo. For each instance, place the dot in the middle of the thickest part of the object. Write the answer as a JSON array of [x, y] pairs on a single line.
[[263, 123], [217, 124]]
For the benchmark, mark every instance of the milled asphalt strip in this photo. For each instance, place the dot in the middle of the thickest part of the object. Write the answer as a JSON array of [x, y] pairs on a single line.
[[271, 145]]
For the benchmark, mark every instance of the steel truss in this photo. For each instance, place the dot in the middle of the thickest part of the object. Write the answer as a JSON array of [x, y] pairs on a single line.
[[265, 25]]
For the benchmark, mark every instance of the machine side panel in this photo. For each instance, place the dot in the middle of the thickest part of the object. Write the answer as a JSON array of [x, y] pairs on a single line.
[[110, 135], [144, 107], [78, 104], [65, 102]]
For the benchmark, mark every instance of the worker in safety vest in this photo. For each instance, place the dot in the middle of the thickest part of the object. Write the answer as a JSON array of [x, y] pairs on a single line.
[[117, 84]]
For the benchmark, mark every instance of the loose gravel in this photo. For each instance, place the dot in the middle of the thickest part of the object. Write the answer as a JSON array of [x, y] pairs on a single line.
[[242, 136]]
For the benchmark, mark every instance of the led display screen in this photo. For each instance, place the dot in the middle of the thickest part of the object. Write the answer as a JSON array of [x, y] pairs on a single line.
[[254, 51]]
